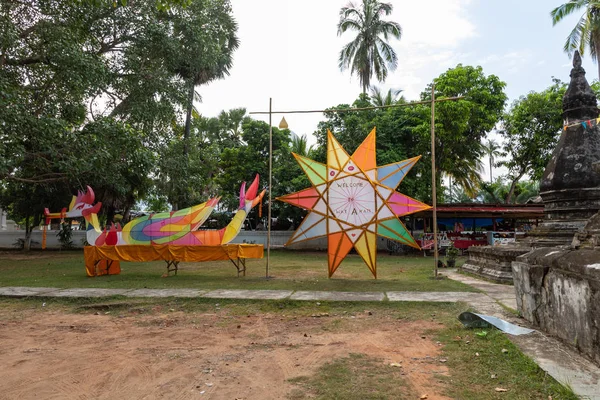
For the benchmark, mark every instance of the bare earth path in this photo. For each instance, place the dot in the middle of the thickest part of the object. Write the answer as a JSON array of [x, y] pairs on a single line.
[[175, 355]]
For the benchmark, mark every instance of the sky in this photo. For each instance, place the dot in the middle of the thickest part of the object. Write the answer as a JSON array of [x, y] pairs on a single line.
[[289, 52]]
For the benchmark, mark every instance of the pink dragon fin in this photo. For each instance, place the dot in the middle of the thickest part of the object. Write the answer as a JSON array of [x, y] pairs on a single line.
[[242, 195], [253, 189]]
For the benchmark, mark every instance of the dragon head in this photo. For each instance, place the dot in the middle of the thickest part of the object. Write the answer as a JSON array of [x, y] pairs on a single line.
[[82, 204]]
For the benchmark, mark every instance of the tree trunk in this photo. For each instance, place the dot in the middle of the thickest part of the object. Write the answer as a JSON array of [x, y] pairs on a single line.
[[110, 215], [513, 184], [27, 242], [126, 216], [188, 119], [491, 162]]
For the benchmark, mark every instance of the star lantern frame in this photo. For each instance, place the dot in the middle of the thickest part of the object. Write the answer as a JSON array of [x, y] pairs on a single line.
[[352, 201]]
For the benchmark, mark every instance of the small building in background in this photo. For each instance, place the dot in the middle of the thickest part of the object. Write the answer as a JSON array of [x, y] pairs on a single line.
[[471, 224]]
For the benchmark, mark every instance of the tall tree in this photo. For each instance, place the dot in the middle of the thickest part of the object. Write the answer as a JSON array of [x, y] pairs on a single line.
[[586, 33], [531, 129], [395, 138], [76, 73], [405, 132], [209, 35], [185, 181], [491, 149], [368, 53], [461, 125]]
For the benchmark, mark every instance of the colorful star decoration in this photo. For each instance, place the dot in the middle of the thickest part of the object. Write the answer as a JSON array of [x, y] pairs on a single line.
[[353, 201]]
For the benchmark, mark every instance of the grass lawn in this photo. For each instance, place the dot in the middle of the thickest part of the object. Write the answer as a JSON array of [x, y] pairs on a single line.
[[290, 270], [464, 363]]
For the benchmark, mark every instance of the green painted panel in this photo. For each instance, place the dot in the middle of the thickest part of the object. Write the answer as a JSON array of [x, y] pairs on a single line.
[[395, 228], [315, 171]]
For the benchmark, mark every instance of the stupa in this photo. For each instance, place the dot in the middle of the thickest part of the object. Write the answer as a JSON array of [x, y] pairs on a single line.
[[570, 187]]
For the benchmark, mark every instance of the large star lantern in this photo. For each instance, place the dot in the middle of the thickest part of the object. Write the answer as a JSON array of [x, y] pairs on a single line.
[[353, 201]]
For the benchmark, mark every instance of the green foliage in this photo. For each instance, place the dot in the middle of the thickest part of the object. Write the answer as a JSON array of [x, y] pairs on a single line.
[[456, 194], [115, 162], [244, 162], [404, 132], [160, 4], [90, 94], [379, 99], [531, 129], [300, 146], [368, 53], [185, 181], [498, 191], [65, 235], [586, 33], [451, 252], [491, 149], [461, 125], [207, 31], [156, 203]]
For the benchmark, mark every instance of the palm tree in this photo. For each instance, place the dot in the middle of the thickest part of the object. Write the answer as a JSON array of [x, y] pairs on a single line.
[[491, 150], [466, 174], [587, 31], [202, 64], [379, 100], [457, 194], [527, 190], [493, 193], [300, 146], [231, 122], [368, 52]]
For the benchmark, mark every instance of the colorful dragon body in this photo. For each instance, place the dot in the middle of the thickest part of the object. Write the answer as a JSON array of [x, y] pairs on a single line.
[[174, 228], [168, 227], [248, 200]]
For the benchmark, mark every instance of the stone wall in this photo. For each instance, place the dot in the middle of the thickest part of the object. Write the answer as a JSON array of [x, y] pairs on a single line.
[[493, 263], [559, 291]]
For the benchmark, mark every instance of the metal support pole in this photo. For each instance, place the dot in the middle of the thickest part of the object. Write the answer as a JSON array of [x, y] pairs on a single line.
[[270, 187], [433, 185]]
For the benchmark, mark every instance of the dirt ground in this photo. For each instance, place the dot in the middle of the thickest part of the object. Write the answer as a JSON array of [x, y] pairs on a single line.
[[176, 355]]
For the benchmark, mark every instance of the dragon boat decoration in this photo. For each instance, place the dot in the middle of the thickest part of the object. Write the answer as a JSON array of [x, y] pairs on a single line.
[[173, 228]]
